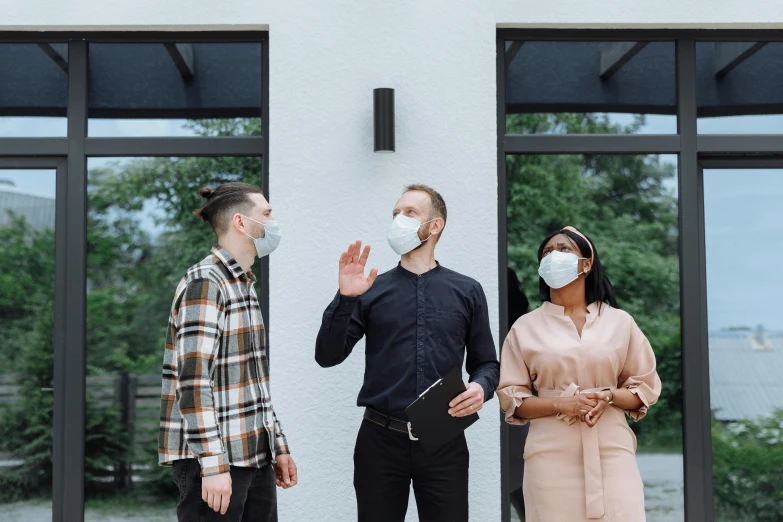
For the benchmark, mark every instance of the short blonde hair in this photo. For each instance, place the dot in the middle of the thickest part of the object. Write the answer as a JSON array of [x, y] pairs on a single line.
[[438, 205]]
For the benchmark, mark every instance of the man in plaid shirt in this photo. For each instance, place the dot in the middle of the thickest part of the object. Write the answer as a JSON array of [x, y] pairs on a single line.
[[218, 428]]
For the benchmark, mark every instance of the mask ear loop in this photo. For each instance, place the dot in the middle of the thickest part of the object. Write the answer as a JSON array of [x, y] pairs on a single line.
[[256, 222], [430, 221], [243, 226], [248, 235]]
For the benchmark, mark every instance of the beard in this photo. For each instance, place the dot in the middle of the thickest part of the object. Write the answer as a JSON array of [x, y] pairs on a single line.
[[426, 235]]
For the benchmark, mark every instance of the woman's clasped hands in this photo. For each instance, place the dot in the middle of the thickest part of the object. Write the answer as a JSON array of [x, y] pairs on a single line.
[[587, 406]]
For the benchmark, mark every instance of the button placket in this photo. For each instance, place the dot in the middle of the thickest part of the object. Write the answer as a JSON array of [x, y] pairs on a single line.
[[420, 335], [257, 358]]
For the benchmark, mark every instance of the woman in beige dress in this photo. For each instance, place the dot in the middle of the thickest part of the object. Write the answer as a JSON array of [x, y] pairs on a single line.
[[573, 368]]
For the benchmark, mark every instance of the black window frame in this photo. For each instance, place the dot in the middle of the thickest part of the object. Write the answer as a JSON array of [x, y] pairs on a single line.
[[69, 155], [695, 152]]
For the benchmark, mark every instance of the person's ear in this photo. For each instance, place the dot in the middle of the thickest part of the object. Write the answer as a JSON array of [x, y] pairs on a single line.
[[588, 266], [238, 222], [437, 226]]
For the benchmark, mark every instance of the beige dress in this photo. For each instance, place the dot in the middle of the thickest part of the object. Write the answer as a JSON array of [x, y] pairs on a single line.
[[573, 472]]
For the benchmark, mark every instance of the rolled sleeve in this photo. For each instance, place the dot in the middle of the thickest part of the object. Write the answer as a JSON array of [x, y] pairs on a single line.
[[510, 399], [639, 375], [515, 382]]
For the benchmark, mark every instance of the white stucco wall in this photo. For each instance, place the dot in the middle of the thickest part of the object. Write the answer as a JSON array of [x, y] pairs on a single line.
[[332, 189], [328, 188]]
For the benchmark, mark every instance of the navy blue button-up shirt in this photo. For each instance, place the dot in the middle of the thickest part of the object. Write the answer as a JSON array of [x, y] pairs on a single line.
[[418, 328]]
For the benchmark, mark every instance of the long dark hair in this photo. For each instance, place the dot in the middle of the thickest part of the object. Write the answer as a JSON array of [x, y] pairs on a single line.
[[598, 288]]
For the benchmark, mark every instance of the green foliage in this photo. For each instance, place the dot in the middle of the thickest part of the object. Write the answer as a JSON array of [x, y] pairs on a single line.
[[27, 320], [27, 280], [106, 445], [568, 123], [747, 458], [26, 425], [622, 203]]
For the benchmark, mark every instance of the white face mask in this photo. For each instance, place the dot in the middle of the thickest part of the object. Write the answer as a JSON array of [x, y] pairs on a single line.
[[403, 234], [559, 269], [267, 244]]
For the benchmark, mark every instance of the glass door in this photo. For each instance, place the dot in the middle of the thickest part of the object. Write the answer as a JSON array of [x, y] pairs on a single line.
[[743, 217], [33, 444]]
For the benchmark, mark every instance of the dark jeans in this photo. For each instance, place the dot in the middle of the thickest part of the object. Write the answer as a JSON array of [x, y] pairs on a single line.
[[385, 463], [253, 495]]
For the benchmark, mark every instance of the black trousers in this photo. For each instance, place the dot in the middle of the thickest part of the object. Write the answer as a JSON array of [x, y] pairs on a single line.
[[253, 495], [385, 463]]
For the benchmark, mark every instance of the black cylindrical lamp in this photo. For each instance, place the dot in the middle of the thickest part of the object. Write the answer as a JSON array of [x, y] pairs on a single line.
[[383, 108]]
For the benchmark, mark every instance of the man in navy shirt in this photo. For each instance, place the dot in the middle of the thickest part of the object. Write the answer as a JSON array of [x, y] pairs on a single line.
[[420, 320]]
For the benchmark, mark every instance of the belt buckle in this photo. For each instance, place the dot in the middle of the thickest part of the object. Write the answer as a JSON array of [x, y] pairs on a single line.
[[410, 432]]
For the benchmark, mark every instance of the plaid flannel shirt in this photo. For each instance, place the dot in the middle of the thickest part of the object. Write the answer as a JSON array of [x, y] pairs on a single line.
[[216, 405]]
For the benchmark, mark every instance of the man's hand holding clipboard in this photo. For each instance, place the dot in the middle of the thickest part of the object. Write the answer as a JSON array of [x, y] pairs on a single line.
[[434, 421], [468, 402]]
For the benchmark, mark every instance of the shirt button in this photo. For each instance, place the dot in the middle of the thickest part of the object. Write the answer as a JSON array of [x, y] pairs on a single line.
[[421, 344], [420, 368], [421, 293]]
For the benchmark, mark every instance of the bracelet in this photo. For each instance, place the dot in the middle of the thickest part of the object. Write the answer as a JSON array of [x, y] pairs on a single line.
[[610, 401]]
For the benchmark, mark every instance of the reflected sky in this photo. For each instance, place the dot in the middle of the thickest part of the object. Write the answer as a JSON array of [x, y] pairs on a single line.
[[743, 212]]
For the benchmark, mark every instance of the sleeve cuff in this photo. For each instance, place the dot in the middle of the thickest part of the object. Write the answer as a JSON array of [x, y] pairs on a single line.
[[214, 465], [511, 398], [344, 304], [644, 392], [488, 392], [281, 446], [282, 450]]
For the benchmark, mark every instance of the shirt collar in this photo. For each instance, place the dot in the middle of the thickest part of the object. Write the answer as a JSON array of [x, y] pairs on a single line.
[[231, 264], [411, 275]]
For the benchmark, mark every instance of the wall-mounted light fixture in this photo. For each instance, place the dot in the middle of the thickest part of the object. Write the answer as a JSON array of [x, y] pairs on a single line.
[[383, 109]]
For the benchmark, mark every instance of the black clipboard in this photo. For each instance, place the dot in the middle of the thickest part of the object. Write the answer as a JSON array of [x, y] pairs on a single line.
[[429, 414]]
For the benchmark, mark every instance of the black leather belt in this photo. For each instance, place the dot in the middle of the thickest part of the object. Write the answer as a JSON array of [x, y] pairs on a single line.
[[390, 423]]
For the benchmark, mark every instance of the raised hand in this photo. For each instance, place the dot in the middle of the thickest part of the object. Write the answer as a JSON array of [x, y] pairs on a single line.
[[352, 279]]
